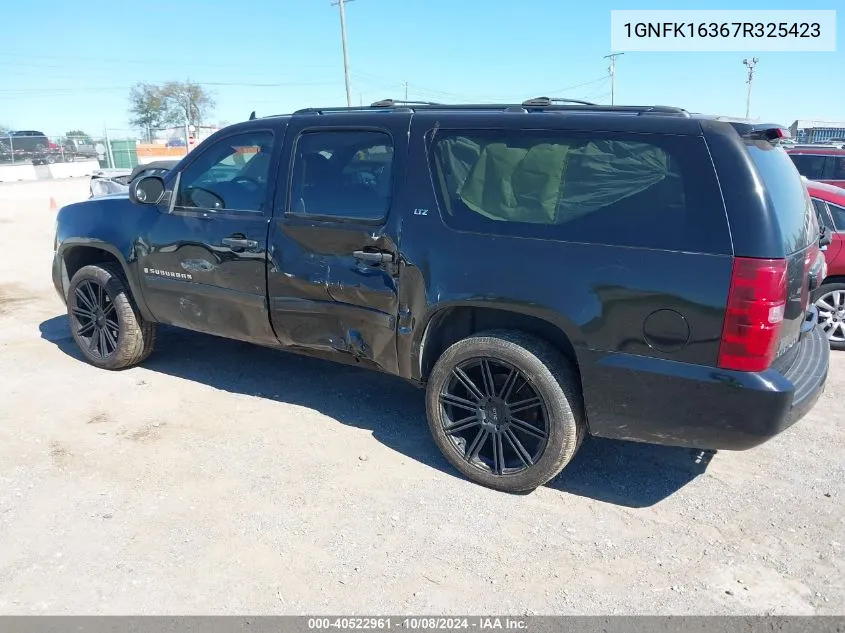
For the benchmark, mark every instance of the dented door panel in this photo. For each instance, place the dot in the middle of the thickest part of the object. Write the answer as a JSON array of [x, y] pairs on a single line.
[[323, 296], [192, 279]]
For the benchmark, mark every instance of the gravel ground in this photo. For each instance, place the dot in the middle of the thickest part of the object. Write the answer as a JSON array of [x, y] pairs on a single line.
[[224, 478]]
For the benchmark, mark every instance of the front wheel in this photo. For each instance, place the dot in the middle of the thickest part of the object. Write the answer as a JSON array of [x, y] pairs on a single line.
[[505, 409], [104, 321], [831, 306]]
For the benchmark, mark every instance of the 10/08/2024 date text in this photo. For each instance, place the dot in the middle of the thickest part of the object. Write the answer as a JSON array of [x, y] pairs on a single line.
[[420, 623]]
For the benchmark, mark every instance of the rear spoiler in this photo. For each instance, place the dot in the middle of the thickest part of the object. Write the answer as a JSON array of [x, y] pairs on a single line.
[[755, 130], [766, 132], [761, 131]]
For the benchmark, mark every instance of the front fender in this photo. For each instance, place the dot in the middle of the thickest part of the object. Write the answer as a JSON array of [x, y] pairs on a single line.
[[108, 225]]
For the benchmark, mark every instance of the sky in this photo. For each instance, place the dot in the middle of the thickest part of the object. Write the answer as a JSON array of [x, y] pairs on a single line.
[[70, 65]]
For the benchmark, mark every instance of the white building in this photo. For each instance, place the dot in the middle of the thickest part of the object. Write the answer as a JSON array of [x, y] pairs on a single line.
[[817, 131]]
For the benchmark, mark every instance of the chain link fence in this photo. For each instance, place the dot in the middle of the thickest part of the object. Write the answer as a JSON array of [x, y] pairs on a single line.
[[113, 149]]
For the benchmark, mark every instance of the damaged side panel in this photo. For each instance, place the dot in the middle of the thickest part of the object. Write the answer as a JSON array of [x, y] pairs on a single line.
[[333, 243], [198, 282], [322, 298]]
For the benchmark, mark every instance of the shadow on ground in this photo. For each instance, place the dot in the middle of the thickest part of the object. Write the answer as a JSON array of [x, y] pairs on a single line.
[[622, 473]]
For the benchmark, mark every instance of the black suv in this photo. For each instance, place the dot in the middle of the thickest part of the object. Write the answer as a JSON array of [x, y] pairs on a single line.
[[544, 270], [23, 143]]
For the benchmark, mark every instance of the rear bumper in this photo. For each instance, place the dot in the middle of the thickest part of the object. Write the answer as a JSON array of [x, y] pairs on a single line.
[[808, 374], [665, 402]]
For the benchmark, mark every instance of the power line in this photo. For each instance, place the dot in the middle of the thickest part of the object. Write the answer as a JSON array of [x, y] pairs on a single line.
[[77, 89], [385, 83], [594, 93], [145, 61], [573, 87]]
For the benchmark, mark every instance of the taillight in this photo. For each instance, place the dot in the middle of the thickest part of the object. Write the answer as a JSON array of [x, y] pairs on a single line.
[[755, 309]]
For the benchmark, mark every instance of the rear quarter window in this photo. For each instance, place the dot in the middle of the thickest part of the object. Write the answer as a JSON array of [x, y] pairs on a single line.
[[635, 190], [787, 195]]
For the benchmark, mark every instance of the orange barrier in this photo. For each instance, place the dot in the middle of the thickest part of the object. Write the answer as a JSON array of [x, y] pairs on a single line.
[[146, 150]]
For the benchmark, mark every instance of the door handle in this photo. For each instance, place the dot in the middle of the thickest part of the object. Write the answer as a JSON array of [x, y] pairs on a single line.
[[379, 257], [239, 242]]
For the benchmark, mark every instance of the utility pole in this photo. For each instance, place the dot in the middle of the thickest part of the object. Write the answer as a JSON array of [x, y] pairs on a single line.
[[340, 4], [612, 71], [750, 64], [406, 91]]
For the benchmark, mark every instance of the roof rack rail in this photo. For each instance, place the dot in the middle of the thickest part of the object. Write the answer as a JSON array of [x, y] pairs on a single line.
[[389, 103], [551, 103], [545, 102]]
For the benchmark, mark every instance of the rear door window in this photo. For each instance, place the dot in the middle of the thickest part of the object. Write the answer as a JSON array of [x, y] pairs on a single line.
[[787, 193], [343, 175]]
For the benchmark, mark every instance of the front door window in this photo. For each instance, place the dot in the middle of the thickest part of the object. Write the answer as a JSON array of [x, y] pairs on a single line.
[[231, 175]]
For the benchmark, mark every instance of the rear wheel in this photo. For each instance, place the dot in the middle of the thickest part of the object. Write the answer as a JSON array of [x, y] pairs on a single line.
[[104, 321], [831, 306], [505, 409]]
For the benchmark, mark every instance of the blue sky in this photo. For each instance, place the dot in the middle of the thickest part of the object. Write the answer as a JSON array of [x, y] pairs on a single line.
[[70, 65]]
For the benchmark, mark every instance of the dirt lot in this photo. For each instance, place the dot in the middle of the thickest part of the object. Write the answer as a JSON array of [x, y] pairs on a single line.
[[223, 478]]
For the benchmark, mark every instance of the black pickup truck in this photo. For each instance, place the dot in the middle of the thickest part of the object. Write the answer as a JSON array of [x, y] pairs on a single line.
[[544, 270]]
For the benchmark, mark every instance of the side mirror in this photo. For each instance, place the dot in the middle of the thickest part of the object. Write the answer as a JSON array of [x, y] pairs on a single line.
[[824, 238], [146, 190]]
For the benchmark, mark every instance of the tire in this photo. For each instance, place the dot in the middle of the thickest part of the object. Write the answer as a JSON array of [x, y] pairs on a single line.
[[832, 295], [559, 415], [127, 339]]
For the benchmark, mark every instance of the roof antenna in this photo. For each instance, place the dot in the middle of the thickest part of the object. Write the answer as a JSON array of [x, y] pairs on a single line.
[[252, 116]]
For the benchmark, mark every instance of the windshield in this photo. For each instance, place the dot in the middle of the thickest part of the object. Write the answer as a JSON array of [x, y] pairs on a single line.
[[788, 195]]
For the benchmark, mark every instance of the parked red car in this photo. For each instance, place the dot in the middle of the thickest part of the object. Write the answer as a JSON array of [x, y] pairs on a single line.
[[829, 202], [824, 164]]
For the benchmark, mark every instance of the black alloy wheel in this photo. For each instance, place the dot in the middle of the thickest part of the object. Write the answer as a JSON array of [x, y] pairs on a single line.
[[95, 319], [505, 409], [104, 320], [494, 416]]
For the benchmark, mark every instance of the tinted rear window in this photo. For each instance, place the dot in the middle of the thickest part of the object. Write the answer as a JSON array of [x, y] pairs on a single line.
[[637, 190], [789, 197]]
